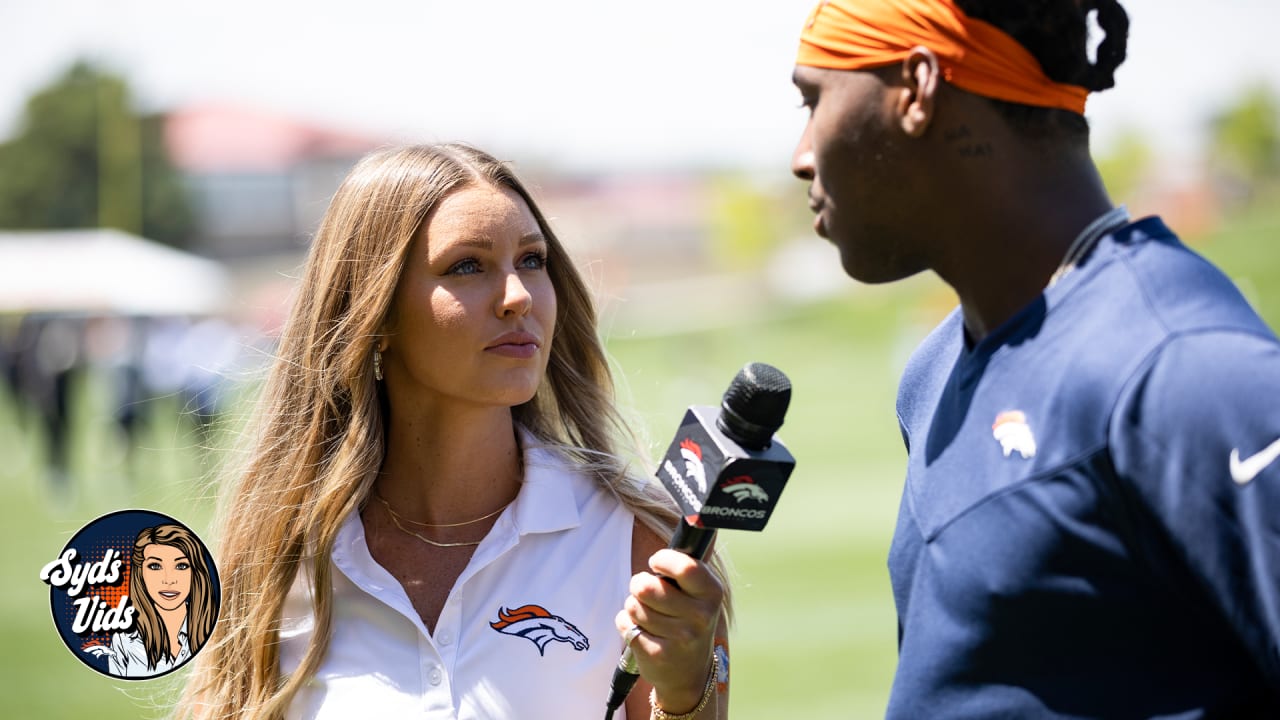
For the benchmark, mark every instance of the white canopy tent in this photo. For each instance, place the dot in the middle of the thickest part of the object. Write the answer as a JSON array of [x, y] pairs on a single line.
[[107, 271]]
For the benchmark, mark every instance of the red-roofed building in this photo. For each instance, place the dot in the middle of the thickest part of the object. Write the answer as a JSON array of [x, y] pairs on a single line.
[[259, 181]]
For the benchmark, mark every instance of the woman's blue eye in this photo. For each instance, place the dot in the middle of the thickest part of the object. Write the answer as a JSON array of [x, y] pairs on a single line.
[[183, 566], [153, 566], [464, 267], [534, 260]]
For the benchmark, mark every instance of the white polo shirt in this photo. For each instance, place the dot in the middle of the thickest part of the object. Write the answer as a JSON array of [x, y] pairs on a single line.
[[527, 631]]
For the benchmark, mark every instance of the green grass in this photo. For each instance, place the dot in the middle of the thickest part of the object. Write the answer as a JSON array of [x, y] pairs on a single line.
[[815, 632]]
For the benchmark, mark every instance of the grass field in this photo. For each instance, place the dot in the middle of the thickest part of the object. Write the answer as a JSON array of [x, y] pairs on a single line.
[[815, 635]]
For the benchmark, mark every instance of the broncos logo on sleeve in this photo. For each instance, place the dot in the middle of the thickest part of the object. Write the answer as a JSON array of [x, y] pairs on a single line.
[[535, 624]]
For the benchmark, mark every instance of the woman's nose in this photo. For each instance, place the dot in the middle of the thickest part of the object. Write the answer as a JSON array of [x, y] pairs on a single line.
[[516, 298]]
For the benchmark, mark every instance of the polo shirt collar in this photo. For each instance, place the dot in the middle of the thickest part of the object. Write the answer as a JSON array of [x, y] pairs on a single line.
[[546, 501]]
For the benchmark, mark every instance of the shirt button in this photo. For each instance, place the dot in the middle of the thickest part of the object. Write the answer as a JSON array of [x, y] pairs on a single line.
[[445, 638], [435, 676]]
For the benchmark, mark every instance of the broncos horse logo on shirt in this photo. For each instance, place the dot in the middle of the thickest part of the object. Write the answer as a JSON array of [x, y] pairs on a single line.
[[1013, 432], [535, 624]]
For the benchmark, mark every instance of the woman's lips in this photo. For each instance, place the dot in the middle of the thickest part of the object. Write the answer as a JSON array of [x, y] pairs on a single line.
[[520, 345], [523, 351]]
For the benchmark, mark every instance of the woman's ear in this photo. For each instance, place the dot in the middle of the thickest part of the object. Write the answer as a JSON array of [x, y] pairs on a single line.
[[920, 77], [383, 338]]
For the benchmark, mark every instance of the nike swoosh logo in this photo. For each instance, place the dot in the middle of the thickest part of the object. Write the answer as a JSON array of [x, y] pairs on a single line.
[[1242, 471]]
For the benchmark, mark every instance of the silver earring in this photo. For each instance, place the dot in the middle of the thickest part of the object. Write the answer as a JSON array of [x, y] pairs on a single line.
[[377, 364]]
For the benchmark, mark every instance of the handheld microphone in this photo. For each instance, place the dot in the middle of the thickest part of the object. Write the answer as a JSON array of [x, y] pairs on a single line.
[[725, 469]]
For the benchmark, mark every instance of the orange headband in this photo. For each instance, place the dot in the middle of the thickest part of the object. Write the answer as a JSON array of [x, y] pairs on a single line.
[[974, 55]]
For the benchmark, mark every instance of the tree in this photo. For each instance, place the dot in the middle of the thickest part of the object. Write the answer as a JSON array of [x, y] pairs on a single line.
[[82, 157], [1245, 149], [1126, 165], [750, 219]]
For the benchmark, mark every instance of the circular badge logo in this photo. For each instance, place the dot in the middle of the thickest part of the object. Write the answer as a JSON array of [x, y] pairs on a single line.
[[134, 594]]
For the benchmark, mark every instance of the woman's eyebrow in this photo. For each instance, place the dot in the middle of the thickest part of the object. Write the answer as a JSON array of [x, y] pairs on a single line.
[[487, 244], [156, 557]]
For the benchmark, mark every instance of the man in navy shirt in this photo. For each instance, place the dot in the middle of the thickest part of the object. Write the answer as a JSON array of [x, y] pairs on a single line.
[[1091, 520]]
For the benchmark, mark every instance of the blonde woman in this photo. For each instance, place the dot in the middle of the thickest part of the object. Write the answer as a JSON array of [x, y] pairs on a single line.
[[174, 603], [434, 522]]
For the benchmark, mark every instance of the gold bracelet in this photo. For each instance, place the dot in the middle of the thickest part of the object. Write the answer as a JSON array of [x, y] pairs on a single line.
[[660, 714]]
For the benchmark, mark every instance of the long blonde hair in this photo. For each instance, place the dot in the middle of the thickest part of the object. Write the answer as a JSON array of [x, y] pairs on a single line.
[[321, 438]]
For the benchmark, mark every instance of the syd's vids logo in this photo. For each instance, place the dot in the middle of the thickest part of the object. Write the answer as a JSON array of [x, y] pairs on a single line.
[[134, 594]]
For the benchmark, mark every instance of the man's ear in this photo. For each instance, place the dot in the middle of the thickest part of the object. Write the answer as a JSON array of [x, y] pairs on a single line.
[[920, 77]]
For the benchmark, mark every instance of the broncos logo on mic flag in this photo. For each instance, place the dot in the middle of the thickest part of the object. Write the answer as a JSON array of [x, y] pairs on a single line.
[[692, 454], [535, 624], [744, 488]]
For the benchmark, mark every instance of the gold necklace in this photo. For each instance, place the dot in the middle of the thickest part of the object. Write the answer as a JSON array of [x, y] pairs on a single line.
[[445, 525], [395, 519]]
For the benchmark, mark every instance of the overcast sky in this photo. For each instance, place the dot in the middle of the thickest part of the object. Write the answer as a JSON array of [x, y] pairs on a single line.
[[596, 83]]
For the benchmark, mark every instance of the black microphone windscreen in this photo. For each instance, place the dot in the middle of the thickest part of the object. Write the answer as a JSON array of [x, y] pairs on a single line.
[[756, 402]]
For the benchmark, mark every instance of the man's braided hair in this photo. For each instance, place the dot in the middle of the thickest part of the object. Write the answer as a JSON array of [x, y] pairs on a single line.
[[1056, 33]]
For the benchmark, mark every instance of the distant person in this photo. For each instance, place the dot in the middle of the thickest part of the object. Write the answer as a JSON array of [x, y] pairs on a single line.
[[48, 355], [9, 368], [193, 359], [9, 325], [207, 354], [434, 521], [1090, 526], [113, 346]]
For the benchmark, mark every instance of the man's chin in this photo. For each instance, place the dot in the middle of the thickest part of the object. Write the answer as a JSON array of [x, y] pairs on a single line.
[[862, 275], [873, 274]]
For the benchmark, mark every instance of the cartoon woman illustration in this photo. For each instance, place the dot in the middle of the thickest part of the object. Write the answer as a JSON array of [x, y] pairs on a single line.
[[172, 594]]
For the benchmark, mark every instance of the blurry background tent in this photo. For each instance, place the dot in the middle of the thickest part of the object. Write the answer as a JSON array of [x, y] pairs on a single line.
[[105, 271]]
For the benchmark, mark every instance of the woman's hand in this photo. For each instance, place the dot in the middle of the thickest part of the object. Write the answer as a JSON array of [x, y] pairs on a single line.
[[677, 606]]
